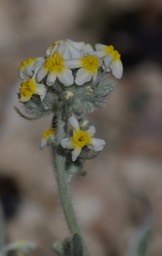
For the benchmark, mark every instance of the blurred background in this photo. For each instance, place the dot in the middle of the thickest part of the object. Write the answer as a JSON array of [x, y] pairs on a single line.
[[109, 199]]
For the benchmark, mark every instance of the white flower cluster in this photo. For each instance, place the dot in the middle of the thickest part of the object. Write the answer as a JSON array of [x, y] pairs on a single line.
[[72, 76], [69, 63]]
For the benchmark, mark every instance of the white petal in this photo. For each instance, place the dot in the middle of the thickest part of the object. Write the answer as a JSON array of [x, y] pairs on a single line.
[[78, 49], [74, 122], [52, 138], [41, 91], [51, 78], [100, 47], [91, 130], [43, 144], [48, 51], [54, 50], [75, 54], [99, 54], [51, 50], [87, 49], [75, 153], [107, 60], [82, 77], [29, 70], [78, 45], [39, 62], [41, 74], [66, 143], [62, 49], [66, 77], [22, 75], [98, 144], [117, 69], [71, 52], [73, 63], [94, 53], [67, 54]]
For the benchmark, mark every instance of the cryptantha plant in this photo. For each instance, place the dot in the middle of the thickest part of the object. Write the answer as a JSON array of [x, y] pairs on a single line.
[[71, 80]]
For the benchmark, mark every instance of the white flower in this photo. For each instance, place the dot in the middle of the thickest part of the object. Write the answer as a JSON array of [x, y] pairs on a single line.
[[29, 88], [69, 49], [111, 59], [52, 49], [28, 67], [54, 67], [48, 137], [88, 68], [66, 48], [81, 138], [81, 47]]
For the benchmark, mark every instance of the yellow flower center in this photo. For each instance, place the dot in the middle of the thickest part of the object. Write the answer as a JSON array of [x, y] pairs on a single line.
[[80, 138], [28, 62], [47, 133], [109, 50], [28, 88], [90, 63], [55, 64], [116, 56]]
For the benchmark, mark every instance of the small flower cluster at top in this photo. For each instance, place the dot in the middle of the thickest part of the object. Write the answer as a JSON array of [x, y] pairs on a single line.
[[62, 60], [71, 74]]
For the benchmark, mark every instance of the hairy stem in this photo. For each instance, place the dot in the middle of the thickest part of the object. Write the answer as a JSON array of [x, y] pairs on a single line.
[[62, 182]]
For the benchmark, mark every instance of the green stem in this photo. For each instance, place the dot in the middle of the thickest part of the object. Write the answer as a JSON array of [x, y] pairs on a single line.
[[62, 182]]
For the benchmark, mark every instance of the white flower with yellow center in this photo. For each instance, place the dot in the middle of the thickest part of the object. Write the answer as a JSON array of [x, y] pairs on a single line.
[[28, 67], [48, 137], [88, 68], [111, 59], [31, 87], [81, 139], [54, 67]]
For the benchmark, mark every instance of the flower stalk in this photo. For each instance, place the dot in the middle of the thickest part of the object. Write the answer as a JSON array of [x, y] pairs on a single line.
[[61, 176], [63, 184]]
